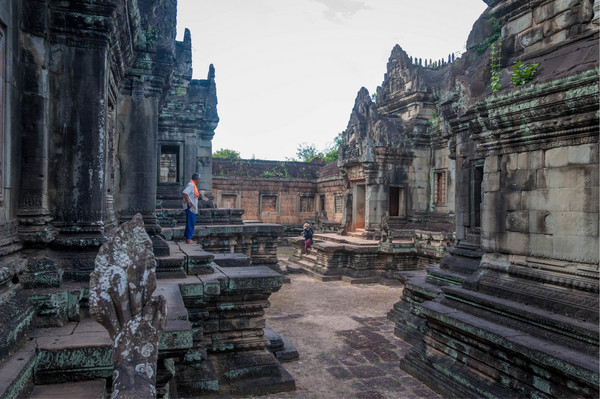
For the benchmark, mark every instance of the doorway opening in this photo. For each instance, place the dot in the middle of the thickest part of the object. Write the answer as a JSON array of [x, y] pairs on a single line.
[[359, 206], [397, 208]]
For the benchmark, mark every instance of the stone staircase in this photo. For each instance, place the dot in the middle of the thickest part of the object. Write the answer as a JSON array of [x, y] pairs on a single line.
[[562, 367], [218, 316]]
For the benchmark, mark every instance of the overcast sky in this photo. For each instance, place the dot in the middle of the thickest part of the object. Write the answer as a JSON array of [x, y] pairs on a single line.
[[288, 71]]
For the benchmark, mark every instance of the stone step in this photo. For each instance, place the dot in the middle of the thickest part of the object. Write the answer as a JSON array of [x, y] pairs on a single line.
[[93, 389], [308, 268], [77, 351], [518, 315], [310, 257], [288, 353], [232, 260], [280, 346], [443, 277], [403, 276], [293, 268], [420, 288], [329, 238], [197, 260], [361, 280], [257, 372], [390, 282], [515, 342], [16, 373], [83, 351], [204, 216], [177, 335], [172, 265]]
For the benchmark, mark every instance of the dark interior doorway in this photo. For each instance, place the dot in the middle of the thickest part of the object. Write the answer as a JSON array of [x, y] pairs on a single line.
[[396, 202]]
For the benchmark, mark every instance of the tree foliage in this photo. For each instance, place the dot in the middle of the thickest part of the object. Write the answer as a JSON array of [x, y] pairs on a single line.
[[227, 154], [523, 73], [308, 152]]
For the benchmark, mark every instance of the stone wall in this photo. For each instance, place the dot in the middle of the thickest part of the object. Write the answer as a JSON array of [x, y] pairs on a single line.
[[512, 309], [287, 193], [87, 87]]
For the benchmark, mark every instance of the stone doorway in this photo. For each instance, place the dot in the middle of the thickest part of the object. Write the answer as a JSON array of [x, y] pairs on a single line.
[[396, 201], [358, 207]]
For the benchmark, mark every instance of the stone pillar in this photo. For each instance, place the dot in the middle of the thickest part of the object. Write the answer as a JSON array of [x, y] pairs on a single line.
[[145, 90], [137, 122], [33, 208], [203, 156], [204, 165], [374, 198], [79, 81]]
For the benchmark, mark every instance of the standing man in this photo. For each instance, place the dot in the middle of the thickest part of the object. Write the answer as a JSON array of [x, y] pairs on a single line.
[[190, 204]]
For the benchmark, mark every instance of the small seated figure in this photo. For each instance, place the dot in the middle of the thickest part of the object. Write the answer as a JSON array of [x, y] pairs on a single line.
[[307, 232]]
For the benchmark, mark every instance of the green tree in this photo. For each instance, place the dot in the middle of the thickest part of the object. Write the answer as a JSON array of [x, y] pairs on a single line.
[[307, 153], [331, 153], [226, 153]]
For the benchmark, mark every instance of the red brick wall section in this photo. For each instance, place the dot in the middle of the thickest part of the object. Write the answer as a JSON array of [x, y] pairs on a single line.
[[270, 191]]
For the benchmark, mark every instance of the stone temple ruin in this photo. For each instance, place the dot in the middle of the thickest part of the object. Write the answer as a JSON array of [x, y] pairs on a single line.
[[483, 202], [97, 104], [481, 199]]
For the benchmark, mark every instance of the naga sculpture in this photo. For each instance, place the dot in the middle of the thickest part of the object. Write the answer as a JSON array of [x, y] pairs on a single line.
[[121, 300]]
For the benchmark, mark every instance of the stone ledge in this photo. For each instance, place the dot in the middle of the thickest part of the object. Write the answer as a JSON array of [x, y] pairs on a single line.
[[16, 373], [93, 389], [576, 364], [580, 330]]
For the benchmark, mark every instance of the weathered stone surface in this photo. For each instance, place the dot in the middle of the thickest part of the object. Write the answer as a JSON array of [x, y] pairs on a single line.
[[94, 389], [512, 310], [226, 312], [368, 261], [121, 300], [81, 355], [16, 373], [95, 99]]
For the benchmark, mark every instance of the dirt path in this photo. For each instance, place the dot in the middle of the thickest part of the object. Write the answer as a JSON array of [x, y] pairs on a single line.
[[347, 346]]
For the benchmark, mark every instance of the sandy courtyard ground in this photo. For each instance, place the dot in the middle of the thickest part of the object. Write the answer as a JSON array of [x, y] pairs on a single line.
[[346, 344]]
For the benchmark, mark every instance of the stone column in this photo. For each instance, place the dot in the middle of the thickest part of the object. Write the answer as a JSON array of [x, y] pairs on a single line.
[[374, 198], [78, 84], [210, 119], [146, 88], [137, 122], [33, 208]]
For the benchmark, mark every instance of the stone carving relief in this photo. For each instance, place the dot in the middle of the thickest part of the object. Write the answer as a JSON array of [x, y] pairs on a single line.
[[30, 199], [204, 161], [121, 288]]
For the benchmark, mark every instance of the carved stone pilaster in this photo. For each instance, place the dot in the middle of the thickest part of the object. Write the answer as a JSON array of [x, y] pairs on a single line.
[[141, 98]]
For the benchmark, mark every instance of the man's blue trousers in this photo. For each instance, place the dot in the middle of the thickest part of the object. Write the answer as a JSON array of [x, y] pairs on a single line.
[[190, 224]]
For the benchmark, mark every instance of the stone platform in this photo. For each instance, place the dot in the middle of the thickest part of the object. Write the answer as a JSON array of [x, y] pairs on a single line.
[[213, 343], [358, 260], [257, 241]]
